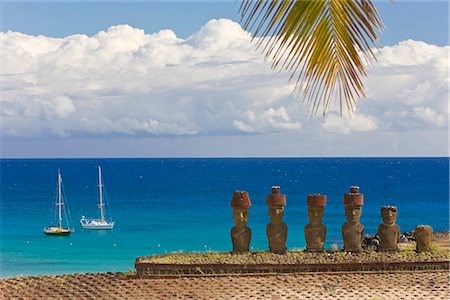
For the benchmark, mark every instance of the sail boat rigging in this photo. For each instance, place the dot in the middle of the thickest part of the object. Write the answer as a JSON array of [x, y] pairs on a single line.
[[99, 224], [59, 230]]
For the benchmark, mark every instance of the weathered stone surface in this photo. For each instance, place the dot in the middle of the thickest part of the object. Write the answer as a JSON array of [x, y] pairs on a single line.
[[324, 286], [241, 200], [276, 198], [315, 231], [276, 230], [424, 238], [353, 230], [240, 234], [354, 197], [389, 232], [316, 200]]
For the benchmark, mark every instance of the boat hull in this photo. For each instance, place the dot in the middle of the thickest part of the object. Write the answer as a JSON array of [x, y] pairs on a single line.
[[58, 231], [66, 233], [96, 224], [98, 227]]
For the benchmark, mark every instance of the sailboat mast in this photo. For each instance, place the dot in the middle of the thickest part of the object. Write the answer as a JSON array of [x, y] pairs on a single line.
[[100, 190], [59, 200]]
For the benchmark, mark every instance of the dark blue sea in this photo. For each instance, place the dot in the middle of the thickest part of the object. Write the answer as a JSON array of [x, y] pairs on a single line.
[[166, 205]]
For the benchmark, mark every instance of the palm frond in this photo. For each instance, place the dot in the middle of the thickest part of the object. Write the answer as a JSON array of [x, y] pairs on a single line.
[[322, 42]]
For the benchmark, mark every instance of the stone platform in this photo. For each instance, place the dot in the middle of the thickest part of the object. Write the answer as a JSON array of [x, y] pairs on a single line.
[[291, 262]]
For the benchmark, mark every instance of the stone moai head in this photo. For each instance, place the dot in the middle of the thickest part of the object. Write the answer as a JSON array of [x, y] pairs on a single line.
[[389, 214], [353, 202], [240, 202], [424, 238], [316, 203], [276, 202]]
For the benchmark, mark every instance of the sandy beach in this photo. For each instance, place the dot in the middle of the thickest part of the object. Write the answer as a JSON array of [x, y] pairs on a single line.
[[356, 285]]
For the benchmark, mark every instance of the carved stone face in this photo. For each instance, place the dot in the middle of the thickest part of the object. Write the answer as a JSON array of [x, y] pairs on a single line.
[[276, 213], [315, 215], [389, 216], [240, 217], [353, 213]]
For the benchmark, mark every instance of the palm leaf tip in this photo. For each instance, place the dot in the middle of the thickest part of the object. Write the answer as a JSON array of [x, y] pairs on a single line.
[[322, 42]]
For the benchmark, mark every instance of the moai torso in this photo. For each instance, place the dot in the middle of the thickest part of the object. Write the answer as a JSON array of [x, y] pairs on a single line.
[[352, 235], [315, 237], [389, 236], [277, 234], [240, 238]]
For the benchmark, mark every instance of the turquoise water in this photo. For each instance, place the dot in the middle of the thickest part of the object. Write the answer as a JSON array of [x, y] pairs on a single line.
[[165, 205]]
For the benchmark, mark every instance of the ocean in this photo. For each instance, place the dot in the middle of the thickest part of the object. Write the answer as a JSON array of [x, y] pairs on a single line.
[[166, 205]]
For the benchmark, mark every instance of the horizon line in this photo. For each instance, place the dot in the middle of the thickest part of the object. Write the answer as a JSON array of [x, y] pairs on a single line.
[[223, 157]]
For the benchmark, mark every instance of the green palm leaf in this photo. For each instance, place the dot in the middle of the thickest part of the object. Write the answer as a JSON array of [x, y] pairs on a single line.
[[322, 42]]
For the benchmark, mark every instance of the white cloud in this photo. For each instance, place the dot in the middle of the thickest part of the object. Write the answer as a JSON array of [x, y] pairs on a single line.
[[132, 126], [412, 53], [345, 125], [430, 116], [407, 78], [270, 120], [26, 116], [242, 126], [23, 114], [128, 82], [218, 35]]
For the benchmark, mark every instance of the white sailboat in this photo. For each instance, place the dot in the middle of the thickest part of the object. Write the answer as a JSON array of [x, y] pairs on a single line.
[[99, 224], [59, 230]]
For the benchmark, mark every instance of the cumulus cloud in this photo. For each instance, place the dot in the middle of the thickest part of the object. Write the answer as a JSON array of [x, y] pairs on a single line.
[[269, 120], [407, 85], [345, 124], [430, 116], [128, 82], [24, 114]]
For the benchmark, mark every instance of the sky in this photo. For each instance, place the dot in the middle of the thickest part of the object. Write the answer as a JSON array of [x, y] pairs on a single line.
[[182, 79]]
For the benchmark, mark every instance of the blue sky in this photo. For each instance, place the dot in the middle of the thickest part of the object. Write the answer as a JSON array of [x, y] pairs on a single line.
[[181, 79], [403, 19]]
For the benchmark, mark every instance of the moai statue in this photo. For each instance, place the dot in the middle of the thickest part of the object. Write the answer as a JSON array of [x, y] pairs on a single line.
[[240, 234], [424, 238], [315, 231], [389, 232], [276, 229], [352, 230]]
